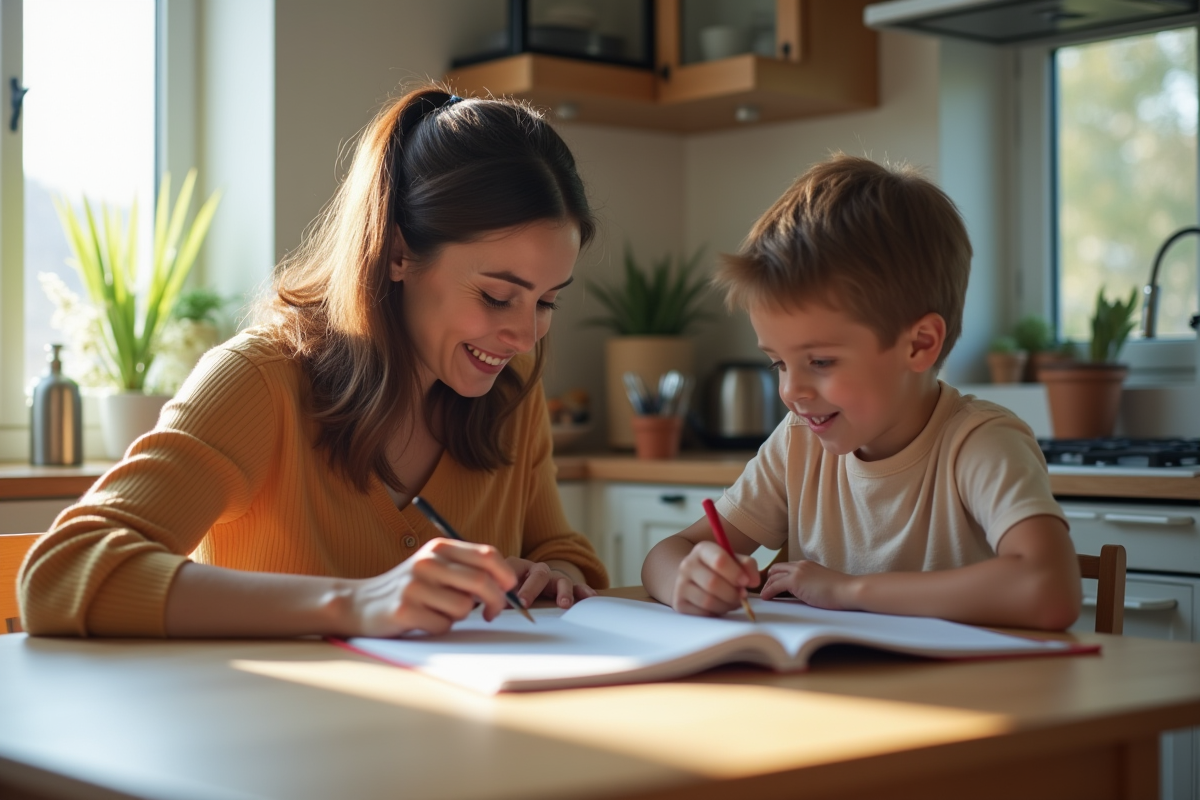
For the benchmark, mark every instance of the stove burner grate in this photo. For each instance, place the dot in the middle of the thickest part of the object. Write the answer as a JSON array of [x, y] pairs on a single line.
[[1108, 452]]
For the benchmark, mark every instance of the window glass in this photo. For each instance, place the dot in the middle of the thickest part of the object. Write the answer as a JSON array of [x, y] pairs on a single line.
[[88, 130], [1126, 175]]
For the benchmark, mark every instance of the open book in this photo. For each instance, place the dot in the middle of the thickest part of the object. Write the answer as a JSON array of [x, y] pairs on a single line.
[[607, 640]]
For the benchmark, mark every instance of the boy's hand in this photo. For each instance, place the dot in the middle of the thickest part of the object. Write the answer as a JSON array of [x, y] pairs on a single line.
[[711, 582], [812, 583]]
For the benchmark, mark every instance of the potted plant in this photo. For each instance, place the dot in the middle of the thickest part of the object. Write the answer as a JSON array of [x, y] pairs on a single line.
[[190, 333], [650, 311], [1035, 336], [132, 313], [1085, 396], [1006, 360]]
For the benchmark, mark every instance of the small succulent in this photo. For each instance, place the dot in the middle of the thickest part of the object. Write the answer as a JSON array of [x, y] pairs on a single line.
[[1005, 344], [1034, 334], [1112, 323]]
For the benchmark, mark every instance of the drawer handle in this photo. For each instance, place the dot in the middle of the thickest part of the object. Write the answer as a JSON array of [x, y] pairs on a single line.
[[1138, 603], [1150, 519], [672, 498], [1080, 514]]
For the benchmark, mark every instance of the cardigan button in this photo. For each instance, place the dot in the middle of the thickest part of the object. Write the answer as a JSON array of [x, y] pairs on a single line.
[[410, 541]]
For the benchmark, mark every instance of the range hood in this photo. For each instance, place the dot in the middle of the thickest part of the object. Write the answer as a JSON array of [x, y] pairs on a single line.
[[1014, 21]]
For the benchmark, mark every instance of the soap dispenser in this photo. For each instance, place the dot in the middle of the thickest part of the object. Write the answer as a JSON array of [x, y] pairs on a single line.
[[56, 424]]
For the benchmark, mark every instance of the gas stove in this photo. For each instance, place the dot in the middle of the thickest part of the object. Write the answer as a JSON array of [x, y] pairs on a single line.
[[1120, 456]]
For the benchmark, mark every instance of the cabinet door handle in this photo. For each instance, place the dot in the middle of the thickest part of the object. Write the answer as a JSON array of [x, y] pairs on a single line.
[[1139, 603], [1080, 514], [1150, 519], [672, 498], [665, 72]]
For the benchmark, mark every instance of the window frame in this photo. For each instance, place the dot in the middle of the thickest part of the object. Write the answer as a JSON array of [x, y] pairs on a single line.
[[176, 99], [1034, 215]]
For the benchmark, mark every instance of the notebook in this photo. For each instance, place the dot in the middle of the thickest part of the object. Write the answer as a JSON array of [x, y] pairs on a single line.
[[609, 640]]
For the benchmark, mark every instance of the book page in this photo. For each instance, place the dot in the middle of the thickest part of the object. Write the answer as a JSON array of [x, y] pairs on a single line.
[[511, 653], [800, 628]]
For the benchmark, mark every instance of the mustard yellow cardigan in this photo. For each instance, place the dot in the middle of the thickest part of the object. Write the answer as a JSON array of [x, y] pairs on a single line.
[[230, 476]]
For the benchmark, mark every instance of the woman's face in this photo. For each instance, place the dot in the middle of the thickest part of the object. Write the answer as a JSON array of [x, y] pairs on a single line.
[[478, 304]]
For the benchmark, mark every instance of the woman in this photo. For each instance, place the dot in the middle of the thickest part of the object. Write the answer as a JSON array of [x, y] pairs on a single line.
[[392, 360]]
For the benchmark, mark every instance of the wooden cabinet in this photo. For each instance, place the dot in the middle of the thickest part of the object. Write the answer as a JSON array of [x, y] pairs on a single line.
[[825, 62]]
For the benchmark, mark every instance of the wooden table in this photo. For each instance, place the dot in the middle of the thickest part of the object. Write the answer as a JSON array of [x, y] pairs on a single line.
[[303, 719]]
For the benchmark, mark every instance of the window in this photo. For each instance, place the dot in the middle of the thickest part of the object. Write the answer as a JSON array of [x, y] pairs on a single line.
[[1125, 174], [88, 131], [88, 126]]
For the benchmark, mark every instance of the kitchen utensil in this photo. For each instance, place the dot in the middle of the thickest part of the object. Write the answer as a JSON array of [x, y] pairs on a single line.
[[635, 390]]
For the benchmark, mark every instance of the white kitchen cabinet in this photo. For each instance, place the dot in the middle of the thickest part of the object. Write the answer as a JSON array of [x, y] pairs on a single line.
[[625, 520], [574, 503]]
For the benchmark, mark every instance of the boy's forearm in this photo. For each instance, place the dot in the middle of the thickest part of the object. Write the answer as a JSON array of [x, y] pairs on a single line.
[[661, 567], [1002, 592]]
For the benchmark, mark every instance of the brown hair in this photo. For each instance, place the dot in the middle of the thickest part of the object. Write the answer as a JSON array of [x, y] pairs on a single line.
[[882, 244], [443, 170]]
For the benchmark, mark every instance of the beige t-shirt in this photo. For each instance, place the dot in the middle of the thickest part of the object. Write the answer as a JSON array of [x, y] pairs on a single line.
[[942, 502]]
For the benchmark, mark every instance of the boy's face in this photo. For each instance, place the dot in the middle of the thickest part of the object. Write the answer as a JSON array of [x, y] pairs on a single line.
[[855, 396]]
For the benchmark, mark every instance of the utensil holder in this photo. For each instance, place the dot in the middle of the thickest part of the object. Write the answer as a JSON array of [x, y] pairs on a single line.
[[657, 437]]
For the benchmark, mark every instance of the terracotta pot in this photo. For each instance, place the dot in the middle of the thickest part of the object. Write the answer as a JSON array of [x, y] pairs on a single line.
[[649, 357], [1084, 398], [657, 437], [1043, 358], [1007, 367]]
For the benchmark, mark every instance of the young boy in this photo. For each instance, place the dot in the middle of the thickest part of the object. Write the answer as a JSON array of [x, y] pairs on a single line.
[[890, 490]]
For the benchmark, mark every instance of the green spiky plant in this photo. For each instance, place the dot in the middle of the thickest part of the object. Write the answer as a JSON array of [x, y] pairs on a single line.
[[1111, 324], [655, 302], [105, 255]]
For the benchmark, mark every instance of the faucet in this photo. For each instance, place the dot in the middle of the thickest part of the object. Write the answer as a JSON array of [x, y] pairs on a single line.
[[1150, 291]]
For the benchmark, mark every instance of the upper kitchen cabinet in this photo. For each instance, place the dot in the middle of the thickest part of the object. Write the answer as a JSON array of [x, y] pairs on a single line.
[[678, 65]]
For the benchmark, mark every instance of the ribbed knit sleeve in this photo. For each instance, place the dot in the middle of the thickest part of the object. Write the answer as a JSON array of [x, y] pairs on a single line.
[[106, 565], [547, 534]]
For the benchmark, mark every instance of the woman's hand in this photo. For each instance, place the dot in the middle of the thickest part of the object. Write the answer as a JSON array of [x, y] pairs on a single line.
[[809, 581], [557, 580], [711, 582], [430, 591]]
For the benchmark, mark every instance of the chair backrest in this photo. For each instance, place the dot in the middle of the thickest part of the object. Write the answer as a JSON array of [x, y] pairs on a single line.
[[13, 547], [1108, 569]]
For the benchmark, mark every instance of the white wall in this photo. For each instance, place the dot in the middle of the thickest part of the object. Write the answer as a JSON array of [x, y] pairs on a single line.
[[237, 135], [731, 177], [975, 135]]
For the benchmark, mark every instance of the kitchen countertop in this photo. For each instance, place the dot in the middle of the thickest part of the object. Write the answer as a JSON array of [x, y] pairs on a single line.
[[698, 468]]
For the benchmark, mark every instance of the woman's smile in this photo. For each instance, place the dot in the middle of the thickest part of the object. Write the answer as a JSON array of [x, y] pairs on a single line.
[[491, 364]]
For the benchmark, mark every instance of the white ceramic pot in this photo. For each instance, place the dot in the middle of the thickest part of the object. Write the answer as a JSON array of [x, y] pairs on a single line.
[[125, 416], [723, 41]]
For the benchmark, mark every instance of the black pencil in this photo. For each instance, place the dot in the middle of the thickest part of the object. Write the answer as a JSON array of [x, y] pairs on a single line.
[[423, 506]]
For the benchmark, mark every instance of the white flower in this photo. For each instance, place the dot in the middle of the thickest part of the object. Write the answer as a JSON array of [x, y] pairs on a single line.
[[84, 358]]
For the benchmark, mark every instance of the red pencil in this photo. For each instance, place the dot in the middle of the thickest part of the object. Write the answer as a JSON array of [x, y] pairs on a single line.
[[719, 534]]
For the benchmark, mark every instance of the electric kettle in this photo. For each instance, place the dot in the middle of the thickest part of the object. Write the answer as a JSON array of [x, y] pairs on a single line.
[[741, 405]]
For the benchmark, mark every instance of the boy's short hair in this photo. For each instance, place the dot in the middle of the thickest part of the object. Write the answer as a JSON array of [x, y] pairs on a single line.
[[880, 243]]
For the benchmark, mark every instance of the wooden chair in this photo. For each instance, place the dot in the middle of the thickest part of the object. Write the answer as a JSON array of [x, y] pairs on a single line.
[[1108, 569], [13, 547]]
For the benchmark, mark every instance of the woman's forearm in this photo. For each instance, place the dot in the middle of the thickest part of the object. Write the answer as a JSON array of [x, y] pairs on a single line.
[[207, 601]]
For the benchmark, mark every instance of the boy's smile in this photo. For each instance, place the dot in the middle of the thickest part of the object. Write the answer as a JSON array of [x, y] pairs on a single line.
[[854, 395]]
